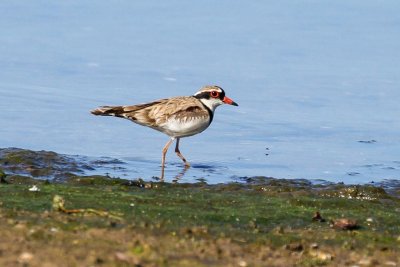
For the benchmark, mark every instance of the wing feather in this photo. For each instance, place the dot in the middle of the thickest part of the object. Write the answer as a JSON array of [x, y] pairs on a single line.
[[158, 112]]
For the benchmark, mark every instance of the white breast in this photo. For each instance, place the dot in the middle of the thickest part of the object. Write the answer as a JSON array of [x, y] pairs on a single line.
[[184, 127]]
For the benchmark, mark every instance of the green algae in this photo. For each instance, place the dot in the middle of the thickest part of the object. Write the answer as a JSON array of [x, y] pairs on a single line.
[[364, 192], [38, 163], [245, 218], [243, 213], [238, 212]]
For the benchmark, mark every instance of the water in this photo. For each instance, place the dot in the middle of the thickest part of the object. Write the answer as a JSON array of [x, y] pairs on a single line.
[[312, 79]]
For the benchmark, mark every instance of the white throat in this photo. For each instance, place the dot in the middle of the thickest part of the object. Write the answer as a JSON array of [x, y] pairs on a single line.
[[211, 103]]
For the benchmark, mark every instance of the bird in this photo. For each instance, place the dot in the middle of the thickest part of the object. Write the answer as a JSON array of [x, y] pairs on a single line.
[[177, 117]]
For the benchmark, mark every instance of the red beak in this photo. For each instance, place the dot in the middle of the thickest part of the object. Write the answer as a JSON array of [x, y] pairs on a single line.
[[229, 101]]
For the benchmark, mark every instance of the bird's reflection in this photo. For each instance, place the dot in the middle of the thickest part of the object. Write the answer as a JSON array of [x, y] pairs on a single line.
[[176, 178], [180, 174]]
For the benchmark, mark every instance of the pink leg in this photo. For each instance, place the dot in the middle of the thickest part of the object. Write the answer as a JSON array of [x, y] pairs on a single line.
[[164, 152], [180, 155]]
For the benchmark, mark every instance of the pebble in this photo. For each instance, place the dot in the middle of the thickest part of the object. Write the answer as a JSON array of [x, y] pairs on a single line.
[[242, 263], [345, 224], [294, 247], [368, 262], [20, 226], [121, 256], [34, 189], [25, 257], [130, 259], [317, 217], [320, 255]]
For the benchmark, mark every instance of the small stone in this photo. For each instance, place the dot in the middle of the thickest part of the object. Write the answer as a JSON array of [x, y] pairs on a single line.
[[345, 224], [25, 257], [314, 246], [3, 177], [390, 263], [368, 262], [242, 263], [320, 255], [317, 217], [121, 256], [58, 203], [294, 247], [99, 261], [20, 226], [278, 230], [125, 258], [34, 188]]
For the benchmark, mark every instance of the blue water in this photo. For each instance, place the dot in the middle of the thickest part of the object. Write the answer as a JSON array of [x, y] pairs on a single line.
[[312, 79]]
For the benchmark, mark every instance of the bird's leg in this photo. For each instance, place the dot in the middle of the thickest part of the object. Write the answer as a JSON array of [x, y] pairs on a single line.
[[187, 165], [164, 152]]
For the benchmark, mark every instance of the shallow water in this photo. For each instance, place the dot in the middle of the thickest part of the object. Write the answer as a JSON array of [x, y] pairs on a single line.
[[317, 84]]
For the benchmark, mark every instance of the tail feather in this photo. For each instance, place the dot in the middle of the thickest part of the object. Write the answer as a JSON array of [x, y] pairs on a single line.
[[136, 113], [109, 111]]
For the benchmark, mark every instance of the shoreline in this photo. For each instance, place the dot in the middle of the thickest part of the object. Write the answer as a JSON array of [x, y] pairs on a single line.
[[49, 165], [103, 221]]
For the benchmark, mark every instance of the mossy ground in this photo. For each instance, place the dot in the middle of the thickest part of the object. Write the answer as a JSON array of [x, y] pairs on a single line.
[[254, 224]]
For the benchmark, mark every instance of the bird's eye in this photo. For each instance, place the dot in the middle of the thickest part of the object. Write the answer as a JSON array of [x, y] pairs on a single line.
[[214, 94]]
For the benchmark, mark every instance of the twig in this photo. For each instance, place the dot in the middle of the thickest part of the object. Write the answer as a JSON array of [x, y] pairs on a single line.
[[58, 205]]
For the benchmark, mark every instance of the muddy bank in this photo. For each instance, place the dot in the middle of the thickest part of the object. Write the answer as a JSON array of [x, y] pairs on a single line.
[[50, 165], [259, 221]]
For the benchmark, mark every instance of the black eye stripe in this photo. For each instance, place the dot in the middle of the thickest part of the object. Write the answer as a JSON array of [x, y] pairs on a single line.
[[203, 95], [207, 94]]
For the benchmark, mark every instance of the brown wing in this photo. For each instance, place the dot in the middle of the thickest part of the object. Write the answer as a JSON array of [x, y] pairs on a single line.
[[155, 113], [179, 108]]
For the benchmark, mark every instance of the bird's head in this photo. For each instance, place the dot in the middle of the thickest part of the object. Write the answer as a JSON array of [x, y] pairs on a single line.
[[212, 96]]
